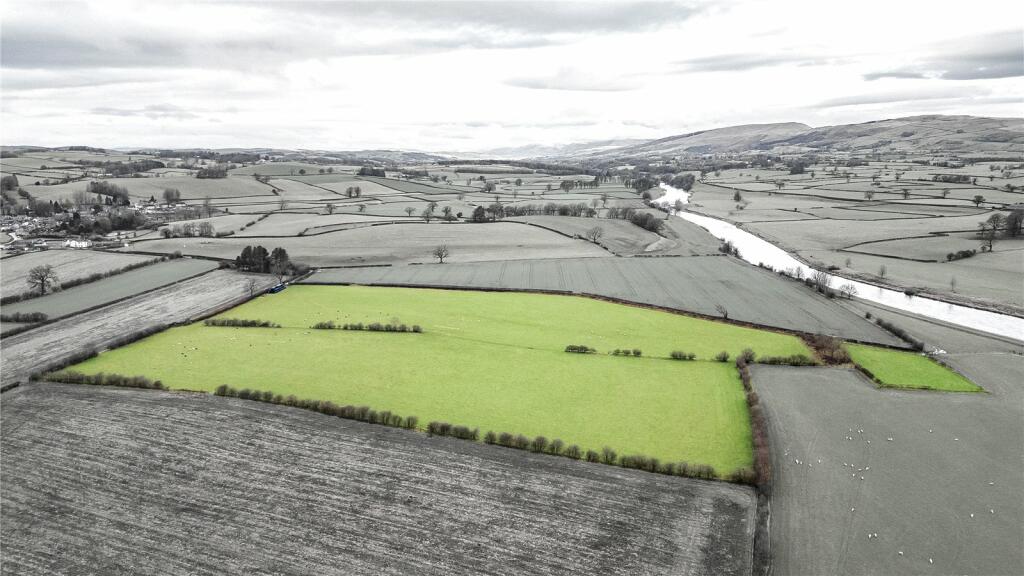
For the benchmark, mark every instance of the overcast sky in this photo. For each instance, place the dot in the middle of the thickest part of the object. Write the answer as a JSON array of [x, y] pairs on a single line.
[[463, 76]]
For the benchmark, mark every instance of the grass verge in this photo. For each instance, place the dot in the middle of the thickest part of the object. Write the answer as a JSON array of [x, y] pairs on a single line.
[[897, 369]]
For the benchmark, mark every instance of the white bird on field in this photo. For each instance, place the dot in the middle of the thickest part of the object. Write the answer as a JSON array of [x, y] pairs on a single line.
[[900, 552]]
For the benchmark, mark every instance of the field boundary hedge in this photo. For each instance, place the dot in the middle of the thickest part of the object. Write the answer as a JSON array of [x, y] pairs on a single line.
[[760, 438]]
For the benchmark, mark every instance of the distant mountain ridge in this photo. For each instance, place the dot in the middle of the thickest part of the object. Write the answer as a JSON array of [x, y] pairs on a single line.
[[914, 134]]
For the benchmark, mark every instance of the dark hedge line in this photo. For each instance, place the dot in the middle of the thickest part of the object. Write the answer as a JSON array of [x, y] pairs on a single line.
[[624, 352], [762, 473], [101, 379], [372, 327], [580, 349], [680, 355], [556, 447], [901, 334], [240, 323], [348, 412], [792, 360], [23, 317]]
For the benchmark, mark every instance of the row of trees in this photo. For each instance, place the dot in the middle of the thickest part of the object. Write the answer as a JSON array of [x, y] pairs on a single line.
[[215, 171], [348, 412]]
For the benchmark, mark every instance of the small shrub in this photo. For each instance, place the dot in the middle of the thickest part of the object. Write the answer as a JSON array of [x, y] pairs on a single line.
[[593, 456], [490, 437], [556, 447], [521, 442], [680, 355], [747, 356], [574, 452], [793, 360], [608, 456], [329, 325], [539, 444], [579, 349], [637, 352], [722, 356]]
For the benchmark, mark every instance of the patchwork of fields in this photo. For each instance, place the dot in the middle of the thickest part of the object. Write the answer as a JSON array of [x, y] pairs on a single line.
[[492, 361], [696, 284]]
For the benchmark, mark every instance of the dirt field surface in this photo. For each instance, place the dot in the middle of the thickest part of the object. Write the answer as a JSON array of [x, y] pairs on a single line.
[[399, 243], [935, 475], [619, 236], [69, 264], [21, 354], [694, 284], [196, 484], [112, 288]]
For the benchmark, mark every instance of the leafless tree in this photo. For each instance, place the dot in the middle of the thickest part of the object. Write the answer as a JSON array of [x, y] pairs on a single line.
[[822, 280], [722, 310], [330, 208], [251, 286], [205, 229], [409, 210], [595, 234], [42, 278], [848, 290], [441, 252]]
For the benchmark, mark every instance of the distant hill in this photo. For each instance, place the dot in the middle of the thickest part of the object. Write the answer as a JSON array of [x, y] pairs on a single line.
[[552, 151], [963, 135]]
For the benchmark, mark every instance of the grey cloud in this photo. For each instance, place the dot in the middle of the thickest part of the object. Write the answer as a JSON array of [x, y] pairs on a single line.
[[742, 62], [152, 111], [893, 74], [575, 80], [433, 27], [535, 17], [902, 96], [988, 57]]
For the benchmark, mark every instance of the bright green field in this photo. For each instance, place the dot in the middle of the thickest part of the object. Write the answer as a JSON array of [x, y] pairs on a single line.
[[488, 360], [908, 370]]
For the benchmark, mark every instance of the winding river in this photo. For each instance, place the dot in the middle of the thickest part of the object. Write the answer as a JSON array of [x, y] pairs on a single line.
[[759, 251]]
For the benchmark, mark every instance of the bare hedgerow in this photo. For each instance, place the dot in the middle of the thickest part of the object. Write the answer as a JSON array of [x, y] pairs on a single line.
[[490, 437], [574, 452], [593, 456], [608, 456], [722, 356]]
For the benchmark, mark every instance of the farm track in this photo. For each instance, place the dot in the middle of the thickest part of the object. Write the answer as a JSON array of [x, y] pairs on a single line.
[[41, 347], [116, 481]]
